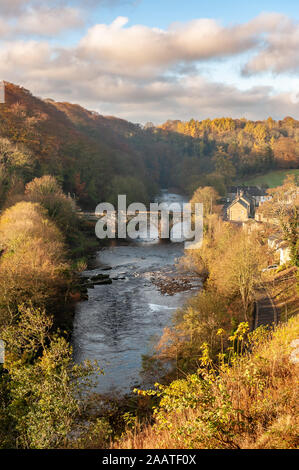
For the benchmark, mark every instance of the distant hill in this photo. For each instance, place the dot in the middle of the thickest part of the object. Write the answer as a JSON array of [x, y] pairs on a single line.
[[97, 157], [250, 143]]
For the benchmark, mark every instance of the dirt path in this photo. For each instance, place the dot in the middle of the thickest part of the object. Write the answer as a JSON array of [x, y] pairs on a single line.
[[275, 297], [266, 312]]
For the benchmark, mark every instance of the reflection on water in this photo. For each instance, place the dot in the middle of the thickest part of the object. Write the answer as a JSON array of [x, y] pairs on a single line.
[[119, 321]]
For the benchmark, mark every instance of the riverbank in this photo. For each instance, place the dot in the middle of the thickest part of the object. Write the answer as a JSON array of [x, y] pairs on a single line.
[[122, 320], [133, 288], [251, 402]]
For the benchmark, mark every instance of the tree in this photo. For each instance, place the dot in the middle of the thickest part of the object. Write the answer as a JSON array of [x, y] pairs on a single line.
[[208, 196], [224, 165], [238, 270], [284, 207], [47, 192], [286, 152], [16, 166], [32, 265], [128, 185], [196, 323], [46, 388]]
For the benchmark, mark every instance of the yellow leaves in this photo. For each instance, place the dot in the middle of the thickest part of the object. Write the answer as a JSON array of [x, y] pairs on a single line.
[[47, 365], [205, 358], [33, 259], [241, 332], [26, 221], [146, 393], [206, 196], [221, 357], [11, 362]]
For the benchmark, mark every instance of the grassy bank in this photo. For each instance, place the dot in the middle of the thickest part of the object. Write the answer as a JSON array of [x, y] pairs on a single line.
[[252, 402]]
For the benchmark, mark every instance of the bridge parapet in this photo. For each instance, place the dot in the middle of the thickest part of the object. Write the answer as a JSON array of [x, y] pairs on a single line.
[[156, 221]]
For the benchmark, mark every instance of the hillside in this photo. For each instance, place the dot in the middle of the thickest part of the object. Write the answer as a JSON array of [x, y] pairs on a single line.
[[251, 404], [81, 148], [244, 147], [271, 179], [93, 156], [97, 157]]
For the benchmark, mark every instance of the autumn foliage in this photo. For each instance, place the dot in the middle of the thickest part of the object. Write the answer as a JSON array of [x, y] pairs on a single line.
[[89, 153]]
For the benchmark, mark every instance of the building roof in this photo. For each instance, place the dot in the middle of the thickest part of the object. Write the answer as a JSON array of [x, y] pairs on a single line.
[[240, 201], [255, 191], [246, 199], [249, 190]]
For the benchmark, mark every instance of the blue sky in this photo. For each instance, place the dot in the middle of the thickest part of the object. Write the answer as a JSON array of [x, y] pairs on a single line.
[[155, 60], [163, 12]]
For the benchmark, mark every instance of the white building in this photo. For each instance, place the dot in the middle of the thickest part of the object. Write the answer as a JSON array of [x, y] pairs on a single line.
[[280, 247], [284, 253]]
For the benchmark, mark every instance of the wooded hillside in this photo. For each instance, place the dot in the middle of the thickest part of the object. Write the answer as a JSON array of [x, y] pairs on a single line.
[[97, 157]]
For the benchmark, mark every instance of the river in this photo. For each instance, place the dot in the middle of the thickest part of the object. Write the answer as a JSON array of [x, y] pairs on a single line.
[[122, 321]]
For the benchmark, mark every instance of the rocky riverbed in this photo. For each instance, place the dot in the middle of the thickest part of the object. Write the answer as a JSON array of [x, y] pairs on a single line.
[[132, 293]]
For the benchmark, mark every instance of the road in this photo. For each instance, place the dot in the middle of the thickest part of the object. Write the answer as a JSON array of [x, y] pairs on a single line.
[[266, 312]]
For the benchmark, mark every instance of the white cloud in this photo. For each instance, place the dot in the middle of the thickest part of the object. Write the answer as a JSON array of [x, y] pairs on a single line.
[[48, 21], [44, 18], [281, 49], [143, 73], [13, 8], [24, 56], [139, 50]]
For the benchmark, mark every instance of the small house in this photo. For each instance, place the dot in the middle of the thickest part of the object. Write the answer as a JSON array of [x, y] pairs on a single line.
[[257, 194]]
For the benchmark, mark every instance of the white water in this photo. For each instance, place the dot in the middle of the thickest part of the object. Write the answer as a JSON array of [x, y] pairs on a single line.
[[122, 321]]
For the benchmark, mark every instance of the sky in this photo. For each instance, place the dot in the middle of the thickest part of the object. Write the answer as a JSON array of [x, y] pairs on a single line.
[[149, 60]]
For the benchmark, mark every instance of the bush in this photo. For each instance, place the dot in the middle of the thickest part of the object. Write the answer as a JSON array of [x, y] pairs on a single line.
[[47, 192], [47, 391], [197, 323], [251, 401], [32, 266]]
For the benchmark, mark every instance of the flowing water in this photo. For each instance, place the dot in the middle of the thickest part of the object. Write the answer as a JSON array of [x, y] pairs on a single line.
[[122, 321]]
